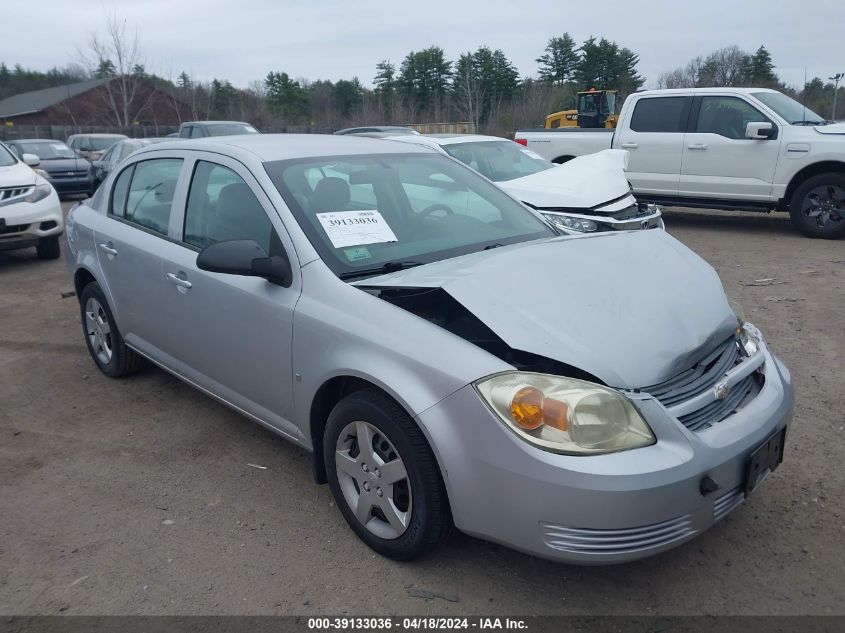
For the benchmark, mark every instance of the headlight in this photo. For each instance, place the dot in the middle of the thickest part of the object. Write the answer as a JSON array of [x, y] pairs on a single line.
[[573, 224], [565, 415], [39, 193], [750, 338], [41, 173]]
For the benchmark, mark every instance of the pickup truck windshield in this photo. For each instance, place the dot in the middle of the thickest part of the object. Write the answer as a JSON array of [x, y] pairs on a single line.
[[789, 109], [498, 160], [374, 211]]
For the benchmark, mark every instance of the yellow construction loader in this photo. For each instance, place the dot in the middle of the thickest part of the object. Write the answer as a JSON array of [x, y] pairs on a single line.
[[596, 108]]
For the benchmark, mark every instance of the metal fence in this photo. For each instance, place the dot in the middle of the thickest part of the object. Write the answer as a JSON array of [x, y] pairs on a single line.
[[461, 127], [62, 132]]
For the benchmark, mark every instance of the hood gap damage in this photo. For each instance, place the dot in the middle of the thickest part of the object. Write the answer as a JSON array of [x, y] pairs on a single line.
[[438, 307]]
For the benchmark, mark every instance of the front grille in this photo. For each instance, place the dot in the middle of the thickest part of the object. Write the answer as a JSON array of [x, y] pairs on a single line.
[[7, 229], [628, 213], [725, 504], [9, 193], [622, 541], [58, 175], [702, 377]]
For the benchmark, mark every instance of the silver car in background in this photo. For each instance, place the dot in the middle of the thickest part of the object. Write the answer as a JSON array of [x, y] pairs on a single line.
[[447, 357]]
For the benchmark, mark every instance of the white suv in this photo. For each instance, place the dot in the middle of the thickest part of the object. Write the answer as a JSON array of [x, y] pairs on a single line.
[[30, 212]]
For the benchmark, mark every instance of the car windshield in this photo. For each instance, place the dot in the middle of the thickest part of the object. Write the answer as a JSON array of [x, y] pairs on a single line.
[[227, 129], [498, 160], [392, 210], [7, 159], [47, 150], [100, 143], [789, 109]]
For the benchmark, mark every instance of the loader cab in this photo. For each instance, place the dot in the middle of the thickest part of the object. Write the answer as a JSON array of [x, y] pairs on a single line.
[[597, 108]]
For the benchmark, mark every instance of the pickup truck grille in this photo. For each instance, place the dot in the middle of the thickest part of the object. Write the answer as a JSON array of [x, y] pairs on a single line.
[[702, 377]]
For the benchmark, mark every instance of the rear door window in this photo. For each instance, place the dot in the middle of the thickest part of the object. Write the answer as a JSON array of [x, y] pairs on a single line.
[[660, 114], [143, 193]]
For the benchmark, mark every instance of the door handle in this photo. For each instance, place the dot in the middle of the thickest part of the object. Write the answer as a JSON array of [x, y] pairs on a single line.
[[107, 248], [630, 145], [697, 146], [176, 279]]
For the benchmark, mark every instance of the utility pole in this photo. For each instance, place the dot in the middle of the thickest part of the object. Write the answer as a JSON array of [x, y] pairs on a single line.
[[835, 79]]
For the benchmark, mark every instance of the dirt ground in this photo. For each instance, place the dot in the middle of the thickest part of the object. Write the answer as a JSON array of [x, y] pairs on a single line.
[[136, 496]]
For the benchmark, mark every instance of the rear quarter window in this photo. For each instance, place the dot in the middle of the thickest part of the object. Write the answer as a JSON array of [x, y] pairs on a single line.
[[660, 114]]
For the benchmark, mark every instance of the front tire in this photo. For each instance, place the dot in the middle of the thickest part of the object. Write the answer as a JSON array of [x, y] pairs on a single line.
[[817, 207], [384, 476], [48, 248], [104, 341]]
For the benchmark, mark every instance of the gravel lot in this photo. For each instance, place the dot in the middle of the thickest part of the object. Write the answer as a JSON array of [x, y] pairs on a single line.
[[136, 496]]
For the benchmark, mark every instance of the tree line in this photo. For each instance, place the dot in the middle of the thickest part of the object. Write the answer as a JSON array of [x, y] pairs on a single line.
[[732, 66], [481, 86]]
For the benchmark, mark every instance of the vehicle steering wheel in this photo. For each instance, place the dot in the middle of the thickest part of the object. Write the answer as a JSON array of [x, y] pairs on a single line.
[[438, 206]]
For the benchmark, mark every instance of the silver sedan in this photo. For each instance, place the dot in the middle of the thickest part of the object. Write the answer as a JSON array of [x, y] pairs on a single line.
[[445, 354]]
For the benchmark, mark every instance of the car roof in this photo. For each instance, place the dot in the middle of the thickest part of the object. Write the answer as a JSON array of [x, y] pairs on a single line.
[[272, 147], [446, 139], [451, 139], [35, 140], [671, 91], [100, 135], [375, 128], [217, 123]]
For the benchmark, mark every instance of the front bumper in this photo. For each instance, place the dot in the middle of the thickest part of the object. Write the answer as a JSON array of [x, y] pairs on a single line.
[[72, 184], [606, 508], [632, 217], [24, 223]]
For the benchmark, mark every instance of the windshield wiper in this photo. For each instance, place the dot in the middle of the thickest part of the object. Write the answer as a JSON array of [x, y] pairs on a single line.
[[802, 122], [387, 267]]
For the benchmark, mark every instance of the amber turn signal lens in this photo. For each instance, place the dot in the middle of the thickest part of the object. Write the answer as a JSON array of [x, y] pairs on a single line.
[[556, 414], [527, 408]]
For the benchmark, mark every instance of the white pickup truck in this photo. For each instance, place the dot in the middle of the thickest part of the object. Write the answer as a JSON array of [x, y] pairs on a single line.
[[721, 148]]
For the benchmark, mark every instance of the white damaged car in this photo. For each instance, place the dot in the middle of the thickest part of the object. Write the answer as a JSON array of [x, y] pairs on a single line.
[[585, 195], [30, 212]]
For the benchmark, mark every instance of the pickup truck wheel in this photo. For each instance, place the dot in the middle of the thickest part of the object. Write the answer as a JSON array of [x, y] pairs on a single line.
[[105, 344], [817, 207], [48, 248]]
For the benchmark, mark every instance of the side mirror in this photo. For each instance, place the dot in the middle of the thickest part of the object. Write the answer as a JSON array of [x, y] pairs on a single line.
[[31, 159], [246, 258], [760, 131]]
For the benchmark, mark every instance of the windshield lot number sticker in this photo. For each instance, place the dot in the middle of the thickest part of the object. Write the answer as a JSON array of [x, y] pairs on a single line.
[[355, 228]]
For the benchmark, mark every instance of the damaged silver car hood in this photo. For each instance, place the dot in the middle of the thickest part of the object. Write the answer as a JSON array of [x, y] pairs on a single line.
[[631, 308]]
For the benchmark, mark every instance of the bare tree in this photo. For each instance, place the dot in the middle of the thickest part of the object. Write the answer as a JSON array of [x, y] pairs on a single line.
[[117, 55]]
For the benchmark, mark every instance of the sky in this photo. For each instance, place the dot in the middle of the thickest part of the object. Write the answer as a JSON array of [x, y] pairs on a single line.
[[333, 39]]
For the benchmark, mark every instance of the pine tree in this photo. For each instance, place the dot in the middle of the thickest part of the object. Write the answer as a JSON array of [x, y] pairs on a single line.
[[558, 64]]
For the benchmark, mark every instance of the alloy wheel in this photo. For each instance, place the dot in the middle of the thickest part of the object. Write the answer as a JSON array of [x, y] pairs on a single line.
[[825, 205]]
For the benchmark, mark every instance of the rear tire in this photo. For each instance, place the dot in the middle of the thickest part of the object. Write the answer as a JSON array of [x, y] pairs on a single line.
[[393, 484], [48, 248], [104, 341], [817, 207]]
